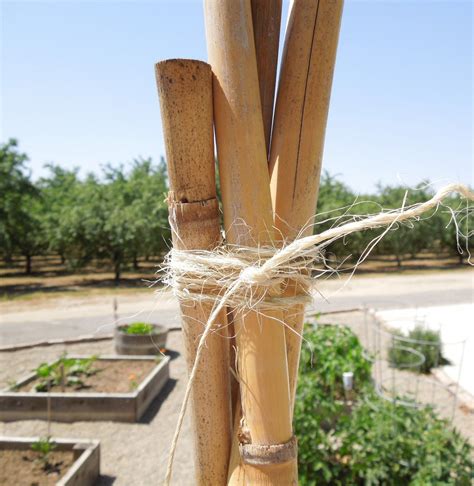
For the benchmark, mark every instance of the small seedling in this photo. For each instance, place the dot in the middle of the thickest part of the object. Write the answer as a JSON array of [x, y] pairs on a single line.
[[43, 447], [132, 381]]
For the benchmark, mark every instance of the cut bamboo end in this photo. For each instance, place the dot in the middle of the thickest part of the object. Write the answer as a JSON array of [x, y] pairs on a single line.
[[185, 90]]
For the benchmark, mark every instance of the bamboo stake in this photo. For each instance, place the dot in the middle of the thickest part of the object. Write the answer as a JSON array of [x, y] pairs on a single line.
[[266, 19], [248, 220], [298, 133], [185, 89]]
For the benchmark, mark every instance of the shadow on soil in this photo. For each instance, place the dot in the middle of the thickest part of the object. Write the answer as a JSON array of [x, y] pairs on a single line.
[[155, 406], [172, 354], [105, 480], [17, 290]]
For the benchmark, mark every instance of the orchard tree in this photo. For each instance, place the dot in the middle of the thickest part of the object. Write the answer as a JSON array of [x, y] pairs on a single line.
[[60, 193], [456, 228], [337, 204], [147, 186], [20, 207], [409, 238]]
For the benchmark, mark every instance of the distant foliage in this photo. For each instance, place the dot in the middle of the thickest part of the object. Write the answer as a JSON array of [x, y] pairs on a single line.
[[361, 439], [436, 232], [20, 207], [120, 216], [425, 342]]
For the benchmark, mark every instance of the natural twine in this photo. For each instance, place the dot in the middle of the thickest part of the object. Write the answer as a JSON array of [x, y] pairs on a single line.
[[243, 277]]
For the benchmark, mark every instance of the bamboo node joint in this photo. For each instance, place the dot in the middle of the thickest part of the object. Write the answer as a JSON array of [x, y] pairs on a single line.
[[265, 455]]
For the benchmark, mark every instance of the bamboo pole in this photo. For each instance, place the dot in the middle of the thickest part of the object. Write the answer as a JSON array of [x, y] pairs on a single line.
[[266, 19], [298, 134], [248, 219], [185, 90]]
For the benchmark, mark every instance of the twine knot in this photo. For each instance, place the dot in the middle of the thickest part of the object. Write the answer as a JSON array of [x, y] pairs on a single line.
[[255, 276]]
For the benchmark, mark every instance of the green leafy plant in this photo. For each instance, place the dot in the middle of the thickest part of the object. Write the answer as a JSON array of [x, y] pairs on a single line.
[[366, 440], [43, 447], [138, 328], [423, 341], [64, 372], [328, 352]]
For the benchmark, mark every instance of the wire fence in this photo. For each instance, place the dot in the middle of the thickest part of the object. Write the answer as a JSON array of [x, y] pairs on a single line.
[[410, 371]]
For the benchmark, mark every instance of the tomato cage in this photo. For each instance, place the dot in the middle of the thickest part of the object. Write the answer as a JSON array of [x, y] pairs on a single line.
[[419, 356]]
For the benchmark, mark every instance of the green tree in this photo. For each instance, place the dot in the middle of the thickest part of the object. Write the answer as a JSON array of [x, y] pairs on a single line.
[[20, 207], [60, 193], [456, 228], [411, 237], [337, 204], [132, 213], [147, 187]]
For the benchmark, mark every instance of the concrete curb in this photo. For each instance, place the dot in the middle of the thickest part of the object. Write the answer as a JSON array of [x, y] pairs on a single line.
[[85, 338]]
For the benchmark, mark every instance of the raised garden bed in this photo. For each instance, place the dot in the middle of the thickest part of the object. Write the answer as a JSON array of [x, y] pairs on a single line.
[[70, 463], [140, 338], [117, 388]]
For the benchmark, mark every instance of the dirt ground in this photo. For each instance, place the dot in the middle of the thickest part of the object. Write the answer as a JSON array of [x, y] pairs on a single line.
[[22, 468], [106, 377], [50, 279]]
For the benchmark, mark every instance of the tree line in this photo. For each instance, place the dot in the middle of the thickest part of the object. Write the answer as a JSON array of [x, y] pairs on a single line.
[[121, 215], [117, 217]]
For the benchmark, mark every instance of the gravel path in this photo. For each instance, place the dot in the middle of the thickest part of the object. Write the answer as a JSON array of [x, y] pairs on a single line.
[[136, 454]]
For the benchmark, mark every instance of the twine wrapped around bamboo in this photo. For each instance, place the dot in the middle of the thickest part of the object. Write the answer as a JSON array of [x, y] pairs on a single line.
[[239, 272]]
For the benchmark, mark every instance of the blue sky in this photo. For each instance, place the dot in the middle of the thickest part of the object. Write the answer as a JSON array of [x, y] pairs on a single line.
[[78, 88]]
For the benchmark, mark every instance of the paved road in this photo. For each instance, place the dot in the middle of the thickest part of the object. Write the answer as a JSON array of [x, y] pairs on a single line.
[[72, 317]]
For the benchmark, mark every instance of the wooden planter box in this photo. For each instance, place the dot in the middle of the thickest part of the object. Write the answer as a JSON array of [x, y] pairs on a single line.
[[140, 344], [86, 468], [78, 406]]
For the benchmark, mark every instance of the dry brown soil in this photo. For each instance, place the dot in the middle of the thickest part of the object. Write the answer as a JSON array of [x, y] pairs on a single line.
[[111, 376], [22, 467], [52, 279]]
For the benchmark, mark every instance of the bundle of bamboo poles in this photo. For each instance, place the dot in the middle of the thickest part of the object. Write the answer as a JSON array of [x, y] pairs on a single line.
[[269, 166]]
